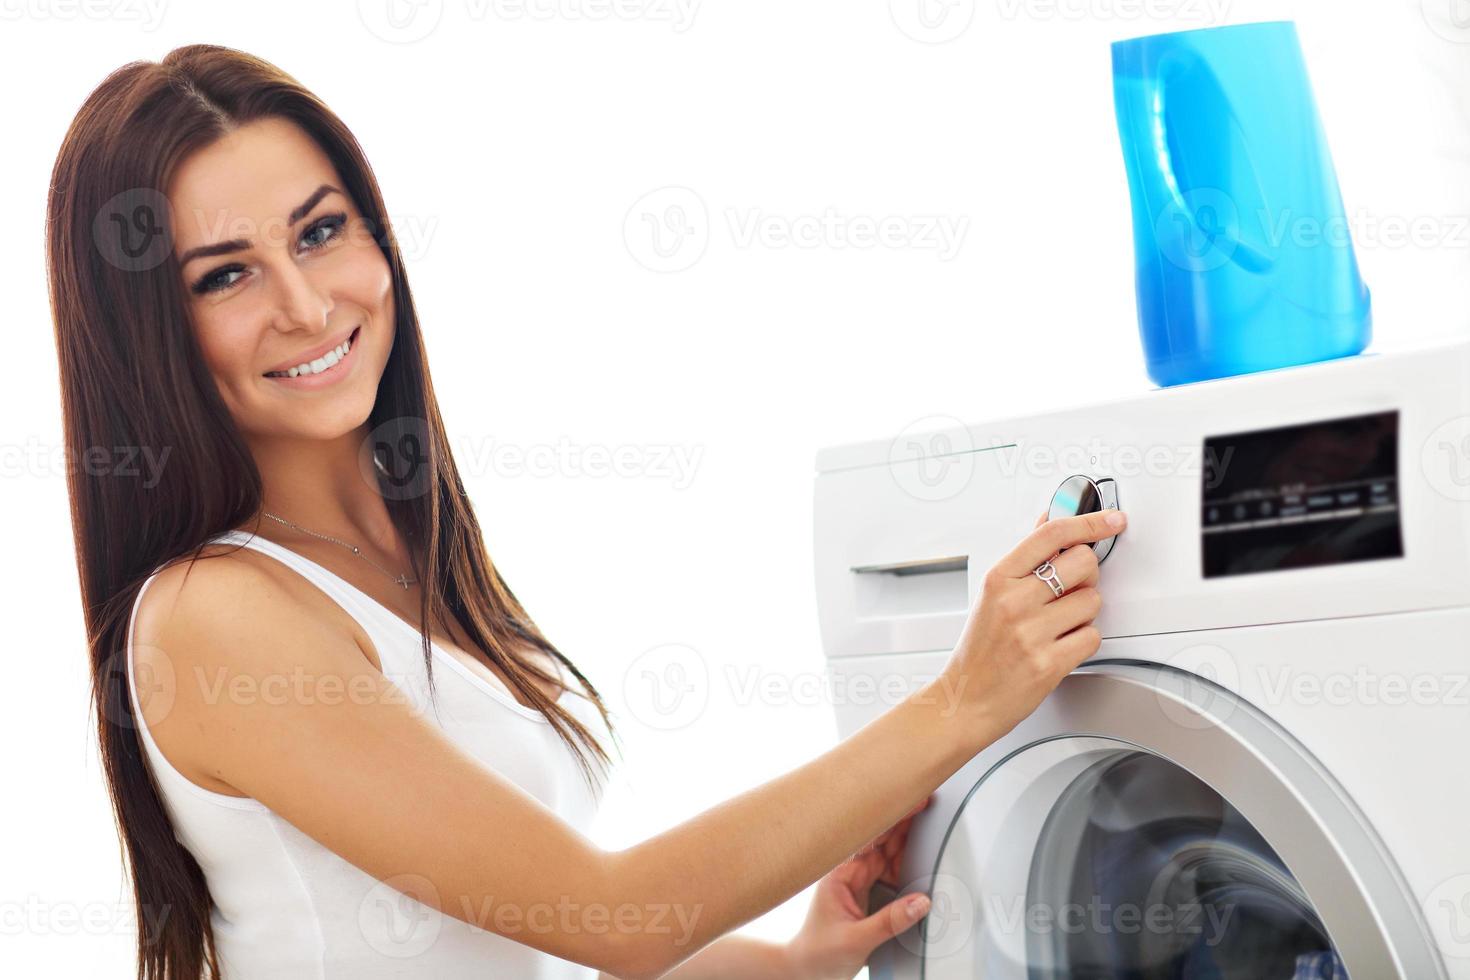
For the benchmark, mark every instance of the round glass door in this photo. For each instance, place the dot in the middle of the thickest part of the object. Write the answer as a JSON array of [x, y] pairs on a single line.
[[1084, 857]]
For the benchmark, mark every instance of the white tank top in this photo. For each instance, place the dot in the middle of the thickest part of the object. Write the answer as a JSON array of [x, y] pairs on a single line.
[[287, 908]]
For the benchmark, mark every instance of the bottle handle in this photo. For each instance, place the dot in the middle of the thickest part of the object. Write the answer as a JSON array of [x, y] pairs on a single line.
[[1186, 202]]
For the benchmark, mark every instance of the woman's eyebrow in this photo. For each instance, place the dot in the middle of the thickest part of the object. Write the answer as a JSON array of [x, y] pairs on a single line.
[[240, 244]]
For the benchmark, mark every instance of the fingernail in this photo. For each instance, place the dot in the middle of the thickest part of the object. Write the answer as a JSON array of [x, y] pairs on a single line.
[[916, 906], [1114, 518]]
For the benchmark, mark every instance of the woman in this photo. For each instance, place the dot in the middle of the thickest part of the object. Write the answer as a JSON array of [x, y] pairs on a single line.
[[336, 744]]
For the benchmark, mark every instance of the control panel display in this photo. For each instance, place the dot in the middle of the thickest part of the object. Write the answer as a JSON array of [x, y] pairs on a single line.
[[1299, 496]]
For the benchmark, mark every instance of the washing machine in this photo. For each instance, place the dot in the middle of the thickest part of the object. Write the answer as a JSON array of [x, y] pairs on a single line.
[[1264, 771]]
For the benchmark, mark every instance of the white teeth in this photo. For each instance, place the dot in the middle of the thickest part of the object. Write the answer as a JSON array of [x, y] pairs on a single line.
[[329, 359]]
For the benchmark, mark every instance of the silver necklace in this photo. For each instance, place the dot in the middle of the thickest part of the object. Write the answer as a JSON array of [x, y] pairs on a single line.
[[398, 579]]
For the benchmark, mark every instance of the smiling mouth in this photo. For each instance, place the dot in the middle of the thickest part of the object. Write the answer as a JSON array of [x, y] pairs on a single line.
[[324, 364]]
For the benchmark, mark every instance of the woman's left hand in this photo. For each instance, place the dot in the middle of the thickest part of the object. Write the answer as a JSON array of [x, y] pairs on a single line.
[[838, 935]]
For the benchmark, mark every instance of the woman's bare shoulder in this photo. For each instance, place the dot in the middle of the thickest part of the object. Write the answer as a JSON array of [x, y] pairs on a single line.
[[191, 584], [226, 586]]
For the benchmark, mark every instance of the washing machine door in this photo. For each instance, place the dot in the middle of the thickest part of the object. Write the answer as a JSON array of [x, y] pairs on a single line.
[[1144, 824]]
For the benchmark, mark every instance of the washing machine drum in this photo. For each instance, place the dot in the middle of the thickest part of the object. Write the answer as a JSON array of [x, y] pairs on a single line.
[[1151, 875]]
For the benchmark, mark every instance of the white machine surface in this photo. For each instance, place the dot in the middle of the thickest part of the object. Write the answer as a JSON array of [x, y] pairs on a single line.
[[1263, 772]]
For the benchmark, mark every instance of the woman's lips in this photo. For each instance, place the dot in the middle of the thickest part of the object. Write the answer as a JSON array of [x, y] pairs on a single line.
[[331, 375]]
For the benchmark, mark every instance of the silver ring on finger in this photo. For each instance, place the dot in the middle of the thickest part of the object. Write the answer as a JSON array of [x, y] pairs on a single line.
[[1048, 574]]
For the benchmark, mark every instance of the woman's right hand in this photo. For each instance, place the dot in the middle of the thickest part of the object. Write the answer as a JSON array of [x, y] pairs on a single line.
[[1020, 639]]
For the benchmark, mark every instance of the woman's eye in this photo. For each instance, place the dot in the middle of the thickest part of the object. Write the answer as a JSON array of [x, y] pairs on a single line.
[[331, 223], [311, 239], [210, 282]]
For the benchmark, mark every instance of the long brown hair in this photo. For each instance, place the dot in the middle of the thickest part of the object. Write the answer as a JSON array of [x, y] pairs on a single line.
[[132, 376]]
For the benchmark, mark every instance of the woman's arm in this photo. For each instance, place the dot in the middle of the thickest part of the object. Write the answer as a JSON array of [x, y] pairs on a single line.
[[839, 933], [368, 777], [732, 956]]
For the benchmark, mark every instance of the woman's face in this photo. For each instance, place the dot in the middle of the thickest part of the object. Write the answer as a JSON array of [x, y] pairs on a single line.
[[279, 267]]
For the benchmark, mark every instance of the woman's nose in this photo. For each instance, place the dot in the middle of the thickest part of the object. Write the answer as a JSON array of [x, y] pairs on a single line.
[[299, 301]]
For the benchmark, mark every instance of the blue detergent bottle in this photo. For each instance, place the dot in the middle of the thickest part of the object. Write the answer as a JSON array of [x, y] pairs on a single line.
[[1244, 257]]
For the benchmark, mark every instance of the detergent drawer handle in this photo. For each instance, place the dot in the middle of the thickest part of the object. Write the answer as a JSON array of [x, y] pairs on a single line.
[[919, 566]]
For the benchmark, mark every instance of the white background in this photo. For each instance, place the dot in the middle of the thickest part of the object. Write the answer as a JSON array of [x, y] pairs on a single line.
[[515, 143]]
